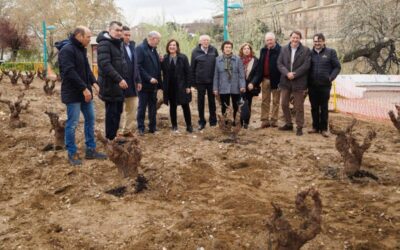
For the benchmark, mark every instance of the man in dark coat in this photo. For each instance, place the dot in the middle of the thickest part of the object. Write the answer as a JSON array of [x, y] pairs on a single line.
[[133, 78], [112, 75], [294, 63], [150, 74], [325, 67], [269, 76], [202, 67], [76, 92]]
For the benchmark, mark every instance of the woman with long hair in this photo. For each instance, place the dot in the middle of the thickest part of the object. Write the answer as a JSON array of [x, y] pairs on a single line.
[[250, 62]]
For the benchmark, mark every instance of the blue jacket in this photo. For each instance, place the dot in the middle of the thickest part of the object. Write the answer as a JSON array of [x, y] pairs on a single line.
[[149, 66], [133, 76], [76, 74]]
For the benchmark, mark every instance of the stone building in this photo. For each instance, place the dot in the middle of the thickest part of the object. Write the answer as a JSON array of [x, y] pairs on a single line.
[[308, 16]]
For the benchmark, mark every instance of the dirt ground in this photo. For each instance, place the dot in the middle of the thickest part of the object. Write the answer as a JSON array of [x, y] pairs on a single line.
[[202, 193]]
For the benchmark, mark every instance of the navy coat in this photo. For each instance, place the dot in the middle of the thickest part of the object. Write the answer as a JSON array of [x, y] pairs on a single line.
[[133, 76], [325, 67], [274, 73], [149, 66], [76, 74]]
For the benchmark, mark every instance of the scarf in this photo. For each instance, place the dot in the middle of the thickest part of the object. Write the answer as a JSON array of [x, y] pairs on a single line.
[[246, 60], [228, 65]]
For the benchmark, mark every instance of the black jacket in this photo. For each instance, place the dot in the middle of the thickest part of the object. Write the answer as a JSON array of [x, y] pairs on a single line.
[[133, 76], [325, 67], [203, 65], [149, 66], [256, 90], [112, 67], [182, 77], [274, 73], [76, 74]]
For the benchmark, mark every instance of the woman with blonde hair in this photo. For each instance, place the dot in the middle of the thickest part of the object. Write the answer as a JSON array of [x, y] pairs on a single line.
[[250, 62]]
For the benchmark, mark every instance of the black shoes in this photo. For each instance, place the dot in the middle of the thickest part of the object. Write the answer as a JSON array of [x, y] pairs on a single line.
[[286, 127], [201, 126], [299, 132], [189, 129]]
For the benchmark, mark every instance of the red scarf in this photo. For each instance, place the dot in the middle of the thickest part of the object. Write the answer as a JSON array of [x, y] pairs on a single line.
[[246, 60]]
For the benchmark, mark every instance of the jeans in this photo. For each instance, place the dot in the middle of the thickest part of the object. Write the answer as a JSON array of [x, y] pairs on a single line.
[[148, 100], [201, 92], [73, 113], [113, 118], [319, 99]]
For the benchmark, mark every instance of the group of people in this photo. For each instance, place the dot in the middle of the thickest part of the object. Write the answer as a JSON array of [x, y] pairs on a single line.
[[127, 72]]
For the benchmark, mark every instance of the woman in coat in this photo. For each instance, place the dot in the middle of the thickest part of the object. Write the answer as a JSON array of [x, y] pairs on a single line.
[[250, 63], [176, 84], [229, 79]]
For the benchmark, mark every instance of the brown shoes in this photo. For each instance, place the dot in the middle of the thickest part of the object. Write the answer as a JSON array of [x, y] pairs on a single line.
[[265, 124], [129, 134]]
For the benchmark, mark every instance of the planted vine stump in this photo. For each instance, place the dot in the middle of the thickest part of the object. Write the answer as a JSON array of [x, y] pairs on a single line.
[[14, 75], [27, 78], [229, 126], [16, 106], [124, 152], [49, 88], [395, 120], [351, 150], [58, 126], [282, 235]]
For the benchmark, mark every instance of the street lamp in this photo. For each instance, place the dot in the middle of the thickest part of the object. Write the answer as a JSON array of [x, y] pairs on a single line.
[[227, 6], [45, 29]]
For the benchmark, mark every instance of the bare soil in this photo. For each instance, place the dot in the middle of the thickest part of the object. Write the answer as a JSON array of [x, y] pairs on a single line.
[[201, 192]]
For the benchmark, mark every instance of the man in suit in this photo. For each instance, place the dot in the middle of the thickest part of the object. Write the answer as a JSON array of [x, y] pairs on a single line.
[[150, 74], [133, 78], [294, 64]]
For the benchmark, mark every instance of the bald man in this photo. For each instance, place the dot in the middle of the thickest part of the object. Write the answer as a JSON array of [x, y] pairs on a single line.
[[76, 92], [202, 68]]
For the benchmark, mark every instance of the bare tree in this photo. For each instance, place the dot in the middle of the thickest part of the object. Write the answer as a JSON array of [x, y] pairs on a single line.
[[13, 36], [371, 31], [16, 106], [282, 234], [395, 120], [65, 16]]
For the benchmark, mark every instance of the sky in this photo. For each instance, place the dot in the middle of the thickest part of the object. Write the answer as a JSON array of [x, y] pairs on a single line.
[[153, 11]]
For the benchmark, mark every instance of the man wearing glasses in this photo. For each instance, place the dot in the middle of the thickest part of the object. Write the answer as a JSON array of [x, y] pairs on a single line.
[[325, 67], [112, 74]]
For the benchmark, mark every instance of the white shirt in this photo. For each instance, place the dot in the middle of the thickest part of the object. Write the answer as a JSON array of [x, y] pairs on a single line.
[[292, 58], [204, 49], [129, 51]]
